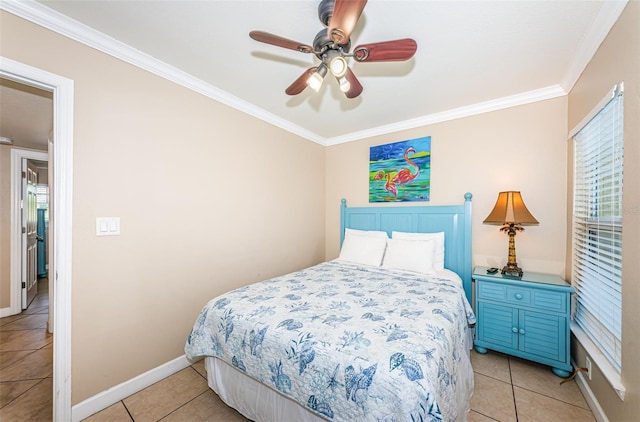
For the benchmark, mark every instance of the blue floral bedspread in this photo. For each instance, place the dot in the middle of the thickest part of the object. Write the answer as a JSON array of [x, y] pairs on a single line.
[[350, 343]]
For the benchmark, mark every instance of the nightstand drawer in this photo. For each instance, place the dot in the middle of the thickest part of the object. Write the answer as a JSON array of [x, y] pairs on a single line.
[[550, 301], [503, 293]]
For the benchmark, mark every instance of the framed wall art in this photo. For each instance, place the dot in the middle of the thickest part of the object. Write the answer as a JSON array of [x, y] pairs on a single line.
[[400, 171]]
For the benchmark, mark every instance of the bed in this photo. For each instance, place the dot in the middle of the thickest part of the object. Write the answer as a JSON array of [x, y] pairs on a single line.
[[365, 337]]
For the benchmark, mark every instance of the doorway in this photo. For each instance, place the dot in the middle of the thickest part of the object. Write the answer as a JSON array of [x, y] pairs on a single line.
[[61, 190], [19, 271]]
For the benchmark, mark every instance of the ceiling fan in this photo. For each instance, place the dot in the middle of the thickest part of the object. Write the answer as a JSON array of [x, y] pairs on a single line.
[[332, 44]]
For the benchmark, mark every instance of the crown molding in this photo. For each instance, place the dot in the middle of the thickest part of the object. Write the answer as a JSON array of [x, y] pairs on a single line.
[[59, 23], [456, 113], [606, 18]]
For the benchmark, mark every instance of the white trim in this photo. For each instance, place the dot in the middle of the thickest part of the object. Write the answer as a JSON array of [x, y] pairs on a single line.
[[607, 17], [456, 113], [123, 390], [589, 397], [606, 368], [62, 157], [15, 267], [5, 312]]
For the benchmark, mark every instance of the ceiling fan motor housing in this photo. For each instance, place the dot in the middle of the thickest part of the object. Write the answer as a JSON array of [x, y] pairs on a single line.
[[322, 43], [325, 10]]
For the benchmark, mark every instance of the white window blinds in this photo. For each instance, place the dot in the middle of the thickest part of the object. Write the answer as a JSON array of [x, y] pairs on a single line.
[[597, 227]]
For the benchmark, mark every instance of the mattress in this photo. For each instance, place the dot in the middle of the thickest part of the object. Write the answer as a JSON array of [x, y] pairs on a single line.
[[340, 342]]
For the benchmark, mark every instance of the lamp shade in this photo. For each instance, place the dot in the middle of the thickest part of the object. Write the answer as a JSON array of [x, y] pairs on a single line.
[[510, 208]]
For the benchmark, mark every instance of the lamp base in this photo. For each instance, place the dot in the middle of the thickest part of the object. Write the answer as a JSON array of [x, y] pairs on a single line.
[[512, 270]]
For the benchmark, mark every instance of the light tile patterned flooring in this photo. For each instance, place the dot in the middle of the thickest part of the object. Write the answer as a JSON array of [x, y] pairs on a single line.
[[513, 389], [506, 388], [26, 362]]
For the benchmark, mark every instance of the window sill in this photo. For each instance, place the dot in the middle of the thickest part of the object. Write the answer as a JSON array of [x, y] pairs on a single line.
[[608, 370]]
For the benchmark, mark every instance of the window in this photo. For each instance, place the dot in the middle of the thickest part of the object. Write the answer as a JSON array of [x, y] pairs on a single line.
[[597, 227], [42, 193]]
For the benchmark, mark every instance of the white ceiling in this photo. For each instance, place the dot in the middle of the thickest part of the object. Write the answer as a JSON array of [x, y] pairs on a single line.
[[472, 56], [26, 114]]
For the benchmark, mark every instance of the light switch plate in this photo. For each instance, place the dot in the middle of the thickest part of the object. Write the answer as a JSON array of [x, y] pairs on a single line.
[[107, 226]]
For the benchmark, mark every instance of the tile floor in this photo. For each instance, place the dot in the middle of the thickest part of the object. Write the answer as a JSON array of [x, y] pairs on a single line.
[[26, 362], [513, 389], [506, 388]]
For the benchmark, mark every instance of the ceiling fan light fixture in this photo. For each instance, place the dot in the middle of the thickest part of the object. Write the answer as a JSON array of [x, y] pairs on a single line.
[[315, 79], [345, 86], [338, 66]]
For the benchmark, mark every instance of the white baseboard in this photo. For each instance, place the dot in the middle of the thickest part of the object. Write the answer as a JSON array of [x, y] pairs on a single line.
[[121, 391], [591, 399], [5, 312]]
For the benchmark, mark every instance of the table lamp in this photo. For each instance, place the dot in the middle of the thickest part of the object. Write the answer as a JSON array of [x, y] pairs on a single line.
[[510, 212]]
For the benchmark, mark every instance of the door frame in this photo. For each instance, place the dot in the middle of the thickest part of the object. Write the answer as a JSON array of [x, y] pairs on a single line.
[[61, 240]]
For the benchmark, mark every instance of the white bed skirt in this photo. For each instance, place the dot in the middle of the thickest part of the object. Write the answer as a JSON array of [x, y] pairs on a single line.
[[251, 398], [260, 403]]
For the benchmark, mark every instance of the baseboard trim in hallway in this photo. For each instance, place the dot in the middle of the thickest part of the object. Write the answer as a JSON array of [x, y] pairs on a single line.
[[5, 312]]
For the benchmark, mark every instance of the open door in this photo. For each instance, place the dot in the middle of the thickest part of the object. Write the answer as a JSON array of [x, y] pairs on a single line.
[[29, 232]]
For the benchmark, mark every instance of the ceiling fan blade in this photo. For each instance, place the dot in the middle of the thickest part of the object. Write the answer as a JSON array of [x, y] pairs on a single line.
[[355, 88], [344, 18], [279, 41], [387, 51], [301, 83]]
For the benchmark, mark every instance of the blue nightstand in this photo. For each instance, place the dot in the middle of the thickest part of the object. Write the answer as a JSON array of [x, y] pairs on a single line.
[[526, 317]]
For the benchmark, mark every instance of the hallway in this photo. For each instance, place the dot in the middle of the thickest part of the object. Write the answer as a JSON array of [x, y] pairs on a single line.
[[26, 362]]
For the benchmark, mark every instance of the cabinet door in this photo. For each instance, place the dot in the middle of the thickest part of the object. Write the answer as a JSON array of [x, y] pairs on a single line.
[[542, 335], [499, 325]]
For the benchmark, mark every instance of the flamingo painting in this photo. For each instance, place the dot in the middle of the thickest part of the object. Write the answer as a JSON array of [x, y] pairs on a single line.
[[400, 171], [405, 175], [390, 186]]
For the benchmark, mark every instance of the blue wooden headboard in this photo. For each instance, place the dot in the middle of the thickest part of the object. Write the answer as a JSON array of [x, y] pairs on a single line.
[[453, 220]]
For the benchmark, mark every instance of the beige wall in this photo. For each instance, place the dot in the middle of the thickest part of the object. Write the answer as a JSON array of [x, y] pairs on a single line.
[[209, 199], [521, 148], [618, 60]]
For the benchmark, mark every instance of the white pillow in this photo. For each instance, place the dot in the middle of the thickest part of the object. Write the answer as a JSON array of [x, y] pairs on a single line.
[[438, 253], [410, 255], [367, 233], [366, 248]]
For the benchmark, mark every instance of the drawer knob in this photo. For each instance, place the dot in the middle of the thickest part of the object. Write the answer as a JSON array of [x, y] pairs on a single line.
[[521, 331], [514, 329], [518, 296]]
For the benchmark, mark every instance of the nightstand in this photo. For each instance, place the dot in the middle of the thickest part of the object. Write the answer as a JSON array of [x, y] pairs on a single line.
[[526, 317]]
